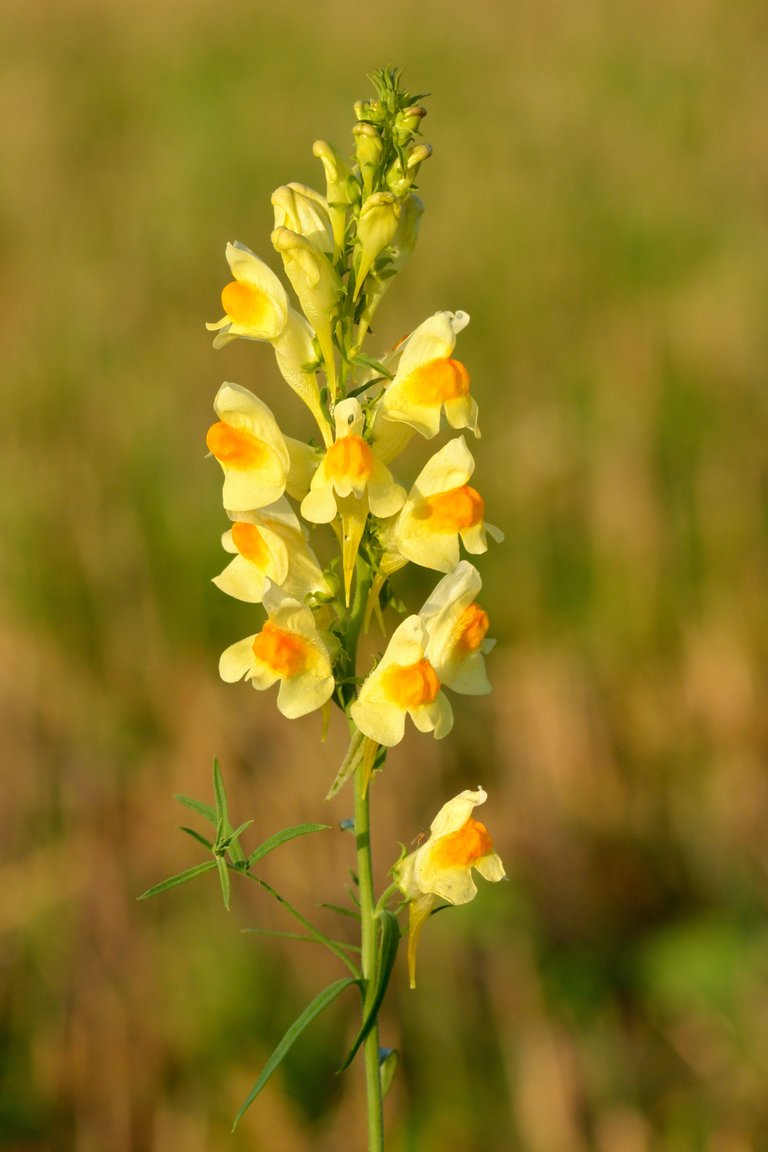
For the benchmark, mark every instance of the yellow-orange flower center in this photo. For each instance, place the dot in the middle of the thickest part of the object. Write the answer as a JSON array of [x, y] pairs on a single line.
[[250, 543], [410, 685], [436, 382], [471, 628], [462, 848], [452, 511], [235, 447], [246, 305], [286, 653], [350, 458]]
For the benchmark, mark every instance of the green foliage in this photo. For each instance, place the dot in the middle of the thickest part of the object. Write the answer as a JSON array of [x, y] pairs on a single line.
[[320, 1002]]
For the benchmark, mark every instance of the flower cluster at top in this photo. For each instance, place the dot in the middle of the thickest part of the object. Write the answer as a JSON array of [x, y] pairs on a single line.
[[340, 251]]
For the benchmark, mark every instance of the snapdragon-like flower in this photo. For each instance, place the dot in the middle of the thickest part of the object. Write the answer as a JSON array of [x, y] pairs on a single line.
[[288, 649], [404, 683], [441, 867], [457, 627], [440, 510], [255, 302], [429, 381], [251, 449], [351, 480], [269, 545]]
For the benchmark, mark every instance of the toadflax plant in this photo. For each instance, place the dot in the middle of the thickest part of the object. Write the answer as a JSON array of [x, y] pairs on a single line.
[[340, 251]]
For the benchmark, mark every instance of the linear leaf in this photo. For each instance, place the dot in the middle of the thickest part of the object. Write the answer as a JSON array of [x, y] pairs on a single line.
[[355, 915], [180, 878], [218, 791], [221, 864], [281, 838], [198, 806], [313, 931], [300, 936], [321, 1001], [390, 941], [196, 836]]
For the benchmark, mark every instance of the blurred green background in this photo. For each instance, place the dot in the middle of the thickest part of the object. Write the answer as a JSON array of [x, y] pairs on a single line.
[[597, 203]]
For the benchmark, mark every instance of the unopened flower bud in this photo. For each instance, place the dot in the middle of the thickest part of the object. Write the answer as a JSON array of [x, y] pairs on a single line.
[[401, 246], [305, 212], [337, 180], [368, 149], [407, 123], [399, 181], [376, 229], [371, 110], [317, 285]]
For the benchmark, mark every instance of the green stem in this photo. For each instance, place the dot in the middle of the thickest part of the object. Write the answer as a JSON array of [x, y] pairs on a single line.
[[368, 921], [369, 941]]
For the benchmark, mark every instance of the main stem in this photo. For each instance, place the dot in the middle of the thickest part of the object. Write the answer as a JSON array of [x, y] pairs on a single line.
[[369, 941], [368, 924]]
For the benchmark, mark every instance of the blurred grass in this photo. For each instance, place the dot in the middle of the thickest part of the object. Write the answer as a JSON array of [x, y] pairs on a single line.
[[596, 202]]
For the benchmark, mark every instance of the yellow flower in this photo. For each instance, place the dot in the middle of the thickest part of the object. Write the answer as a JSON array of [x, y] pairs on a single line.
[[255, 302], [269, 545], [251, 449], [440, 510], [429, 381], [351, 480], [457, 628], [350, 468], [403, 684], [441, 868], [288, 649]]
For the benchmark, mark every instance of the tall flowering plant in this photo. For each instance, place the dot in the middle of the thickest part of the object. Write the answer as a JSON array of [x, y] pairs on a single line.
[[340, 251]]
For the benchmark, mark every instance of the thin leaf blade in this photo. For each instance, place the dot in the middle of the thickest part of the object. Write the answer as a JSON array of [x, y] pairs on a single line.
[[281, 838], [390, 942], [197, 806], [179, 878], [320, 1002]]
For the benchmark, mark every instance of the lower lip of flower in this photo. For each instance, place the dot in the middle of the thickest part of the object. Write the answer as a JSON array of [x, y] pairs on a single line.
[[246, 305], [286, 653], [349, 458], [463, 847], [235, 447], [436, 382], [471, 628], [410, 685], [250, 543], [452, 511]]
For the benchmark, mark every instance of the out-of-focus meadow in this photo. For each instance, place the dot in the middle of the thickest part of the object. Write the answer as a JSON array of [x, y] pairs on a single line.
[[597, 203]]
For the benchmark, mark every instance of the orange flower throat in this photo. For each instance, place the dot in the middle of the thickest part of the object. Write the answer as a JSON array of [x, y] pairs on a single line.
[[462, 848], [410, 685]]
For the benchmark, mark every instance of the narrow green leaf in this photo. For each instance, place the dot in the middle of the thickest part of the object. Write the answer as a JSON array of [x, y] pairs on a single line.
[[389, 943], [321, 937], [218, 791], [300, 936], [320, 1002], [353, 912], [231, 841], [196, 836], [281, 838], [180, 878], [198, 806], [221, 864], [365, 361]]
